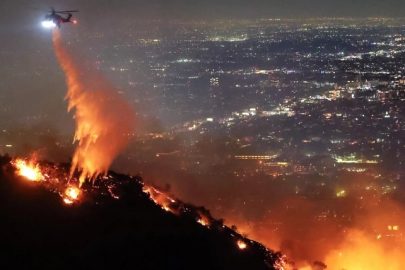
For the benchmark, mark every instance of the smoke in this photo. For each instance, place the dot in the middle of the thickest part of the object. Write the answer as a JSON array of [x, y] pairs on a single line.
[[42, 139], [375, 241], [360, 251], [104, 121]]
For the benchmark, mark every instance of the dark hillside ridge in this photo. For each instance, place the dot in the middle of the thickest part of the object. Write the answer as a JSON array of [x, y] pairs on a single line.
[[39, 231]]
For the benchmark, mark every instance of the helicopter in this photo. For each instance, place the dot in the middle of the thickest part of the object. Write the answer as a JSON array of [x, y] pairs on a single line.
[[54, 19]]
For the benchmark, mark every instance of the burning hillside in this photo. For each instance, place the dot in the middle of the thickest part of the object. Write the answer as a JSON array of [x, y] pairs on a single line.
[[51, 222], [56, 219]]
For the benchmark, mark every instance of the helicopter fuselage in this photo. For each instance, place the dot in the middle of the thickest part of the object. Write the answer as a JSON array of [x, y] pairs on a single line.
[[57, 19]]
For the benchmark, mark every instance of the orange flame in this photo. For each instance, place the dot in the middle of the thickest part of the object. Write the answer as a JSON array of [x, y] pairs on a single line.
[[72, 192], [204, 220], [104, 120], [71, 195], [28, 170]]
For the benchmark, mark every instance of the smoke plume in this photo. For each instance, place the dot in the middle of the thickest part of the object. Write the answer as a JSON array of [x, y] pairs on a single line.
[[104, 121]]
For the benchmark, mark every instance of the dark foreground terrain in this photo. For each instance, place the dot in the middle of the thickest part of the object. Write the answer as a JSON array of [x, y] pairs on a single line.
[[39, 231]]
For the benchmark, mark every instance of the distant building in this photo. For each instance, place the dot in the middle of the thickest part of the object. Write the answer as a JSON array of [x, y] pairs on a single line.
[[214, 81]]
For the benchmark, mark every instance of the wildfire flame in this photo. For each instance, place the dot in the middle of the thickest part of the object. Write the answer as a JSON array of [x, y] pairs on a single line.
[[28, 170], [202, 222], [72, 193], [104, 120], [282, 264]]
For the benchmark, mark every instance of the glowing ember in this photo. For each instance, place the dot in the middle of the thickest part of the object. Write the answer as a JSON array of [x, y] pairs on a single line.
[[112, 194], [241, 244], [67, 201], [201, 222], [28, 170]]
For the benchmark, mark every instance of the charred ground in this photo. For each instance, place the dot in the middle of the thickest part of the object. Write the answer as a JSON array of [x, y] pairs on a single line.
[[38, 231]]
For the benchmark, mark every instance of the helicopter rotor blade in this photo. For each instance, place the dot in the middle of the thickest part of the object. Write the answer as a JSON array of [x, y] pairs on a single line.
[[66, 11], [54, 11], [40, 9]]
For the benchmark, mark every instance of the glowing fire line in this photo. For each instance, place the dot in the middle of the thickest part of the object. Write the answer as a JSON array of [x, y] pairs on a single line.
[[32, 171]]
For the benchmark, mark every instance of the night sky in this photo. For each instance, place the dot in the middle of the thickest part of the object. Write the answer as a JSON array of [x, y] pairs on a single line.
[[11, 10]]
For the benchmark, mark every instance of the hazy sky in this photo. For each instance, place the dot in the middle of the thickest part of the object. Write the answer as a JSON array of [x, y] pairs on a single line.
[[11, 10]]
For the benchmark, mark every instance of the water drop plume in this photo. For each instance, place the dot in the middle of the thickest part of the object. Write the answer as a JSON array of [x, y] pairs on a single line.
[[104, 120]]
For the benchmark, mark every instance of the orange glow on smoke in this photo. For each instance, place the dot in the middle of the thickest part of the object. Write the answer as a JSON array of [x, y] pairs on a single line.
[[28, 170], [361, 251], [364, 252], [241, 244], [104, 120]]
